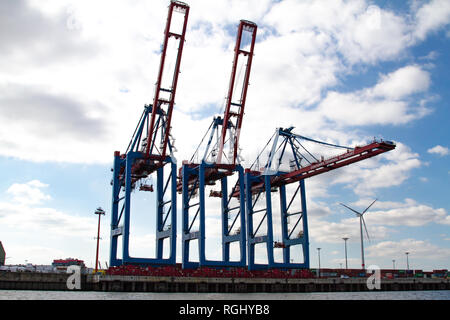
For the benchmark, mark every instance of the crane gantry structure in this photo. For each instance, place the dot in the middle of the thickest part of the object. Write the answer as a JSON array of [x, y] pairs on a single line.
[[262, 183], [218, 165], [246, 207], [149, 152]]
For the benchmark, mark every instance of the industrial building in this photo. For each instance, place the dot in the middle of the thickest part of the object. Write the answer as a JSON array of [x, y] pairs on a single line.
[[2, 255]]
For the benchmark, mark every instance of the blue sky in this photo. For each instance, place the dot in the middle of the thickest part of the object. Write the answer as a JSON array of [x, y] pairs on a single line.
[[75, 77]]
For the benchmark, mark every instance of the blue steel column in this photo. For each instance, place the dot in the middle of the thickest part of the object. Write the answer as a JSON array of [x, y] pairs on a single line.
[[227, 239], [173, 237], [243, 235], [184, 218], [187, 235], [225, 217], [113, 261], [126, 217], [284, 226], [201, 239], [159, 211], [162, 234], [305, 225], [269, 241], [249, 221]]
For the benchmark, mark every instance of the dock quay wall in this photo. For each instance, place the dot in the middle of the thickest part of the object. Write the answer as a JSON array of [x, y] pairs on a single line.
[[37, 281], [122, 283]]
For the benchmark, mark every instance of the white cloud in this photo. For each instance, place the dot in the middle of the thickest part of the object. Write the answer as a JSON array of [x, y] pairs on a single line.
[[419, 249], [37, 233], [384, 171], [28, 193], [402, 83], [409, 214], [359, 31], [385, 103], [439, 150], [303, 49], [49, 221], [322, 231], [431, 17]]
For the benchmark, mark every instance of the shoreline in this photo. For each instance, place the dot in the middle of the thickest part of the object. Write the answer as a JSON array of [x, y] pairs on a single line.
[[129, 283]]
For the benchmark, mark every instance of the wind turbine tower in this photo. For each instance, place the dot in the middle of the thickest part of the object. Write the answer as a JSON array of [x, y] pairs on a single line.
[[361, 223]]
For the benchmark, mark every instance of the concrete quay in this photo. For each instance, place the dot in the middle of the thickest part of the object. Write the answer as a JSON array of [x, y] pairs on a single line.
[[247, 285], [121, 283]]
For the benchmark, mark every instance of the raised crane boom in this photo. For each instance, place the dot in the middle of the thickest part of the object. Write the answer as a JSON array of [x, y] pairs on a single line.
[[164, 98], [324, 165], [235, 103], [226, 130], [215, 166]]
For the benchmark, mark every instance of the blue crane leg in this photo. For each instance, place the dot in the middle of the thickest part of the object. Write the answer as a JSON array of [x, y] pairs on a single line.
[[113, 261]]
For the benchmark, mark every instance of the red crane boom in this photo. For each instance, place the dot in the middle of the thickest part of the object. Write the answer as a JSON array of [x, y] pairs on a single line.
[[234, 116], [161, 103], [351, 156]]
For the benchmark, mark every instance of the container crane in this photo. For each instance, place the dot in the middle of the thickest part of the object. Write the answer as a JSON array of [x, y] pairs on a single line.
[[150, 151], [220, 160], [263, 182]]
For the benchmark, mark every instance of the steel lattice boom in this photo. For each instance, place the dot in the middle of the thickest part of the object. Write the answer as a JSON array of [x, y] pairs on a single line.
[[164, 98], [352, 155], [235, 103]]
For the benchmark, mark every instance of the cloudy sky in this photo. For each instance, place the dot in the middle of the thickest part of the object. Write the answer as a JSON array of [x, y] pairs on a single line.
[[75, 75]]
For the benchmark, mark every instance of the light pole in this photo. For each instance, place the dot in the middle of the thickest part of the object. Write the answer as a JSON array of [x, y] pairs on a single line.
[[407, 262], [99, 212], [318, 252], [393, 263], [345, 242]]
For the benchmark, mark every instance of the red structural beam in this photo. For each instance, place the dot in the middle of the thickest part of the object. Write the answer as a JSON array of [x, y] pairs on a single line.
[[231, 118], [157, 102], [212, 174], [244, 26], [351, 156]]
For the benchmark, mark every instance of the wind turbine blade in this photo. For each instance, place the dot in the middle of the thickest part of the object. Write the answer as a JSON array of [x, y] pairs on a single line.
[[365, 227], [351, 209], [369, 206]]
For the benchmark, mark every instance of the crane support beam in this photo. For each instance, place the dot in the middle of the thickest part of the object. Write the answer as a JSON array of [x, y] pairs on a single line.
[[289, 241]]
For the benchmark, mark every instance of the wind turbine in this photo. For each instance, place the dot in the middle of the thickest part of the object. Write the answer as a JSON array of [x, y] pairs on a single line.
[[361, 223]]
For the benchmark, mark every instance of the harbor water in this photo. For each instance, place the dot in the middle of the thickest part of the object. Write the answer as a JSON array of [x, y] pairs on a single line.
[[93, 295]]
